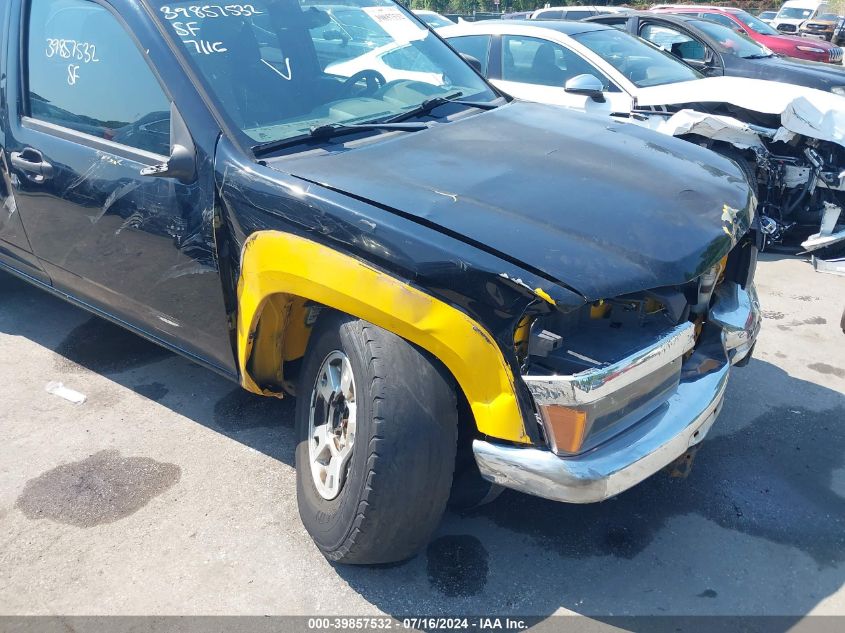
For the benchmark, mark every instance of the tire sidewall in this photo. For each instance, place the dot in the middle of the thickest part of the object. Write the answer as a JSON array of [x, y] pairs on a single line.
[[330, 521]]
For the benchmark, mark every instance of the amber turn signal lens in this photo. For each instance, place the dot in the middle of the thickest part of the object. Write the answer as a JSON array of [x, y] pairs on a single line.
[[566, 426]]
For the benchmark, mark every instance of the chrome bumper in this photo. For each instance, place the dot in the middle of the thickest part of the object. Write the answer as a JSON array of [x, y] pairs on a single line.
[[662, 436], [737, 313]]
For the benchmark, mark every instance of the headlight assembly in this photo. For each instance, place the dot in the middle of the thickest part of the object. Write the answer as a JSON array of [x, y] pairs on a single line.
[[810, 49]]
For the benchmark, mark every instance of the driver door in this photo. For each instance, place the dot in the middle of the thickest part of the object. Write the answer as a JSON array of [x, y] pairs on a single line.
[[535, 69]]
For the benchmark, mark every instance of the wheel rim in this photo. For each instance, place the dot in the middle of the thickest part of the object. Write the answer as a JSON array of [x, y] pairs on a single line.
[[332, 424]]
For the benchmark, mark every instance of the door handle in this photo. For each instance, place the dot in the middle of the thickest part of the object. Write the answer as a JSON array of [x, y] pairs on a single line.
[[32, 162]]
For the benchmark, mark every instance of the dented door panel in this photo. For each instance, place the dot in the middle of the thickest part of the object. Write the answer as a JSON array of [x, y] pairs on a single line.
[[15, 250], [141, 248]]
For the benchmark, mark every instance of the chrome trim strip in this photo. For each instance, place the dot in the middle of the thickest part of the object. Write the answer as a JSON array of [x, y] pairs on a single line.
[[594, 384], [111, 147]]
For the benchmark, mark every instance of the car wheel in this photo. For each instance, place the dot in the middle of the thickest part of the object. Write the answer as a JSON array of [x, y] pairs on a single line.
[[377, 432]]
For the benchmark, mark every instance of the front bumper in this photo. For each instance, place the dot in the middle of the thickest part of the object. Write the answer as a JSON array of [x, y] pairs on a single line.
[[663, 435]]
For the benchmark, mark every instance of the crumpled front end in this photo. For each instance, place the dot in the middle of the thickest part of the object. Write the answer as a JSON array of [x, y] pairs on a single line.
[[791, 143], [626, 386]]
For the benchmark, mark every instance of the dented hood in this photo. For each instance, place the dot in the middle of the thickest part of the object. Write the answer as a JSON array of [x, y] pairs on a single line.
[[604, 207], [802, 110]]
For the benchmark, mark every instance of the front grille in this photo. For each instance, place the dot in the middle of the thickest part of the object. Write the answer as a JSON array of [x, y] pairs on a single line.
[[836, 55], [787, 28]]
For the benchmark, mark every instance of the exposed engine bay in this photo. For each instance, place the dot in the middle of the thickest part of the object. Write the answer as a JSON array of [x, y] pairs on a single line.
[[799, 180], [585, 349]]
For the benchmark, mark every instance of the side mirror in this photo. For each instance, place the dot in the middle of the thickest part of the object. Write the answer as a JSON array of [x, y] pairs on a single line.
[[472, 61], [182, 162], [587, 85]]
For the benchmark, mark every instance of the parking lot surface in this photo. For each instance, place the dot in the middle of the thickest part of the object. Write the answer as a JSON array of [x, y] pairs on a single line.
[[171, 491]]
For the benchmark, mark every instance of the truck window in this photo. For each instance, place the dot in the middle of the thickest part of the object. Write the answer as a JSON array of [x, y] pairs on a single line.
[[409, 58], [279, 68], [474, 45], [86, 73]]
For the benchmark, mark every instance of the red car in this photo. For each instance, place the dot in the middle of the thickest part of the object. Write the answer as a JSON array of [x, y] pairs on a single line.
[[759, 31]]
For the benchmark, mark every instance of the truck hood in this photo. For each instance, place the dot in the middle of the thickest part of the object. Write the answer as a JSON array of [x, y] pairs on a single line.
[[802, 110], [603, 207]]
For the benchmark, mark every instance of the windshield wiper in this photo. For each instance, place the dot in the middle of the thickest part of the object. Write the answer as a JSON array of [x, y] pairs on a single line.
[[758, 56], [331, 130], [435, 102]]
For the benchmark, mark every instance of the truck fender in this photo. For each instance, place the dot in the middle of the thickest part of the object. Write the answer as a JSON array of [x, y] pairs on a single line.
[[281, 274]]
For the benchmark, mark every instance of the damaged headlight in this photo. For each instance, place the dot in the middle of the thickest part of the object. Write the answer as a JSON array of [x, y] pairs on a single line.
[[595, 370]]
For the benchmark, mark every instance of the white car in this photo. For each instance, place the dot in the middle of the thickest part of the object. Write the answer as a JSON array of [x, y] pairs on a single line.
[[789, 139], [540, 62], [395, 61], [571, 12]]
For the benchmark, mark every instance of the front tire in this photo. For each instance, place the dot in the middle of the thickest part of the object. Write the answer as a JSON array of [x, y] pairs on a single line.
[[380, 406]]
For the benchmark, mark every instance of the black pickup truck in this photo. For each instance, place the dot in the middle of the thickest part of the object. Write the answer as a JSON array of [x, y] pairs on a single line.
[[463, 292]]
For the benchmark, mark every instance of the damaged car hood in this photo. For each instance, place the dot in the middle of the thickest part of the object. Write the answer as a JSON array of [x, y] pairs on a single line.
[[802, 110], [604, 207]]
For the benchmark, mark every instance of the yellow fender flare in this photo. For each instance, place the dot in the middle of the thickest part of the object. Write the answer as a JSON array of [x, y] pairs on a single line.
[[274, 263]]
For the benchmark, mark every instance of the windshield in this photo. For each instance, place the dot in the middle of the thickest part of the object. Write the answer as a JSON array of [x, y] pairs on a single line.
[[643, 64], [755, 24], [828, 17], [794, 13], [434, 20], [356, 24], [732, 42], [281, 68]]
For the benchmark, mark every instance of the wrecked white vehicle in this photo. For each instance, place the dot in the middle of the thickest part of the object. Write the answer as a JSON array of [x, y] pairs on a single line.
[[790, 140]]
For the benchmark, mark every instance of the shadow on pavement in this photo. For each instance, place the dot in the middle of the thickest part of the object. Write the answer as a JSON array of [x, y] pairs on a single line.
[[86, 342]]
